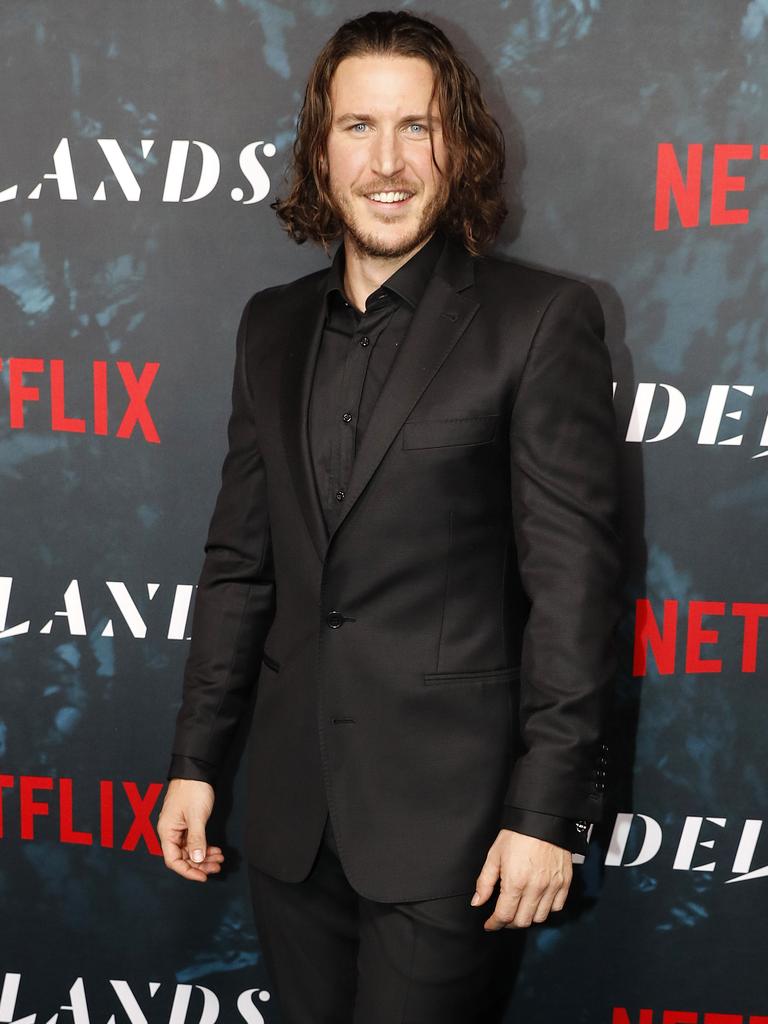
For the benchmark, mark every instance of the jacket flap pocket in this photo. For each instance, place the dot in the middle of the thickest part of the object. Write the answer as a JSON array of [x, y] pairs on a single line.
[[438, 433], [494, 675]]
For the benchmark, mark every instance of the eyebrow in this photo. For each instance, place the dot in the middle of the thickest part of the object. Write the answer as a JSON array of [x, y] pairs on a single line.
[[368, 117]]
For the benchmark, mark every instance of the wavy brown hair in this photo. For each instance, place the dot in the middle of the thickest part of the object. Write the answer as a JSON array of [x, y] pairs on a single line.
[[475, 207]]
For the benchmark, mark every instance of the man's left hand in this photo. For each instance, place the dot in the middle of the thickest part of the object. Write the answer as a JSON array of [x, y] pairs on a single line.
[[535, 878]]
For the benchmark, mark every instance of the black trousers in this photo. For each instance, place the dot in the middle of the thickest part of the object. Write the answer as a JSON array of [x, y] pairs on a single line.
[[334, 957]]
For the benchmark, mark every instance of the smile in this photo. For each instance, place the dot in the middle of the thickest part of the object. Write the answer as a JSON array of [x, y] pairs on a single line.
[[395, 199]]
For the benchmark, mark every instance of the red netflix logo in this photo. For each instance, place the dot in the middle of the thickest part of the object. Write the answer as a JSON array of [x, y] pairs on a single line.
[[41, 796], [135, 415], [656, 637], [623, 1016], [684, 189]]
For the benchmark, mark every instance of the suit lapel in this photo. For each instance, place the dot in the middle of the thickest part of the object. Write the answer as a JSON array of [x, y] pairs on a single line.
[[302, 324], [442, 316]]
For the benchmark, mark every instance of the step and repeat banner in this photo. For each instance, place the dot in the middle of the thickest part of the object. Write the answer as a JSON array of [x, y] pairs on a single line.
[[142, 144]]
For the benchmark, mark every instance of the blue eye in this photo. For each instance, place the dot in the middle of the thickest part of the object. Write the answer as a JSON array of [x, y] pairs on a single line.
[[361, 124]]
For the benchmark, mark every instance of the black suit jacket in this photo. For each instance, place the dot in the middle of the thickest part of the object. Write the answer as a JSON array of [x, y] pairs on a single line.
[[449, 648]]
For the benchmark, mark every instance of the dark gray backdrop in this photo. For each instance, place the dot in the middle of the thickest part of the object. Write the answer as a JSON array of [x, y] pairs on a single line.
[[585, 90]]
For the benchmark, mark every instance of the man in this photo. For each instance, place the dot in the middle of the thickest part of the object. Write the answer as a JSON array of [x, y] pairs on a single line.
[[413, 557]]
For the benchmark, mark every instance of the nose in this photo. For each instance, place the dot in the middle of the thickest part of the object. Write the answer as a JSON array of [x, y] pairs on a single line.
[[386, 154]]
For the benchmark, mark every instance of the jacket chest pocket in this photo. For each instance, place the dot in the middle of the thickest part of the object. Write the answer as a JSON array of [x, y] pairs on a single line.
[[463, 430]]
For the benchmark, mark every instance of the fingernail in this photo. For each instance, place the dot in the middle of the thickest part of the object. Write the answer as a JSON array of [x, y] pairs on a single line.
[[475, 900], [197, 855]]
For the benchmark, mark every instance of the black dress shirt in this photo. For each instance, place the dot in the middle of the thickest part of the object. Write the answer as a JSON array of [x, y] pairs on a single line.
[[357, 350]]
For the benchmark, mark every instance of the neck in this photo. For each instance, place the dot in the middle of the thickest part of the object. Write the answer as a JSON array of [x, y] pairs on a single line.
[[363, 274]]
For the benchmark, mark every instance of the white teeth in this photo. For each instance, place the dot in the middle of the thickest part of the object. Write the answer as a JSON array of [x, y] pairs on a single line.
[[389, 197]]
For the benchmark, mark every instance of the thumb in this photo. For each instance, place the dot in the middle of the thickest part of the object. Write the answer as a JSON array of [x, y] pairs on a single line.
[[485, 881], [196, 845]]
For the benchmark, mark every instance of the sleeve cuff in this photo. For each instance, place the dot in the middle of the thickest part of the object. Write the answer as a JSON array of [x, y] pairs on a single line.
[[184, 767], [568, 833]]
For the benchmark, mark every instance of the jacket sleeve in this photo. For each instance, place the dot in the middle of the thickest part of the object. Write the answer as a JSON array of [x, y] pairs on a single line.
[[235, 599], [565, 507]]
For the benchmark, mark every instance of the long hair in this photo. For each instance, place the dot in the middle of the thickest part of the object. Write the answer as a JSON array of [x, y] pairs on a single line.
[[474, 142]]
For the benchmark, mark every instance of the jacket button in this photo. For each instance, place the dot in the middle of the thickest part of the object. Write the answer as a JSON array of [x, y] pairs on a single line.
[[334, 619]]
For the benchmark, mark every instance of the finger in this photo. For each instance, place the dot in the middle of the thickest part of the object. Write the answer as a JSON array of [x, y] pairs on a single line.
[[486, 880], [210, 868], [196, 844], [173, 856], [560, 883], [212, 863], [523, 917], [189, 871], [171, 849], [560, 896], [518, 902], [544, 908], [539, 899], [212, 852], [210, 858], [504, 911]]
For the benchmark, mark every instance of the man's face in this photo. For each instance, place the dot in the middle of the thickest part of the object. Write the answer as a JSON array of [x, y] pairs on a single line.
[[379, 142]]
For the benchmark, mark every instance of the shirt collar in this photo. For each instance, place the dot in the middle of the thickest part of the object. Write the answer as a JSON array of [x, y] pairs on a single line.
[[408, 282]]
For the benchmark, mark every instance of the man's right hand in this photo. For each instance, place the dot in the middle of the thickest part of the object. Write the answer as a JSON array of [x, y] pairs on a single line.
[[181, 827]]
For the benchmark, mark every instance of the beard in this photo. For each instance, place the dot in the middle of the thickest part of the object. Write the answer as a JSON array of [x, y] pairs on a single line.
[[369, 243]]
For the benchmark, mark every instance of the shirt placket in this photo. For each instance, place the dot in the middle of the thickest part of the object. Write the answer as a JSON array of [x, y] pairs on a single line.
[[367, 330]]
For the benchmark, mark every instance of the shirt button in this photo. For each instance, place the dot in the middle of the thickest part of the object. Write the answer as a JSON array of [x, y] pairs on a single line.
[[339, 495], [365, 340], [347, 417], [334, 619]]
